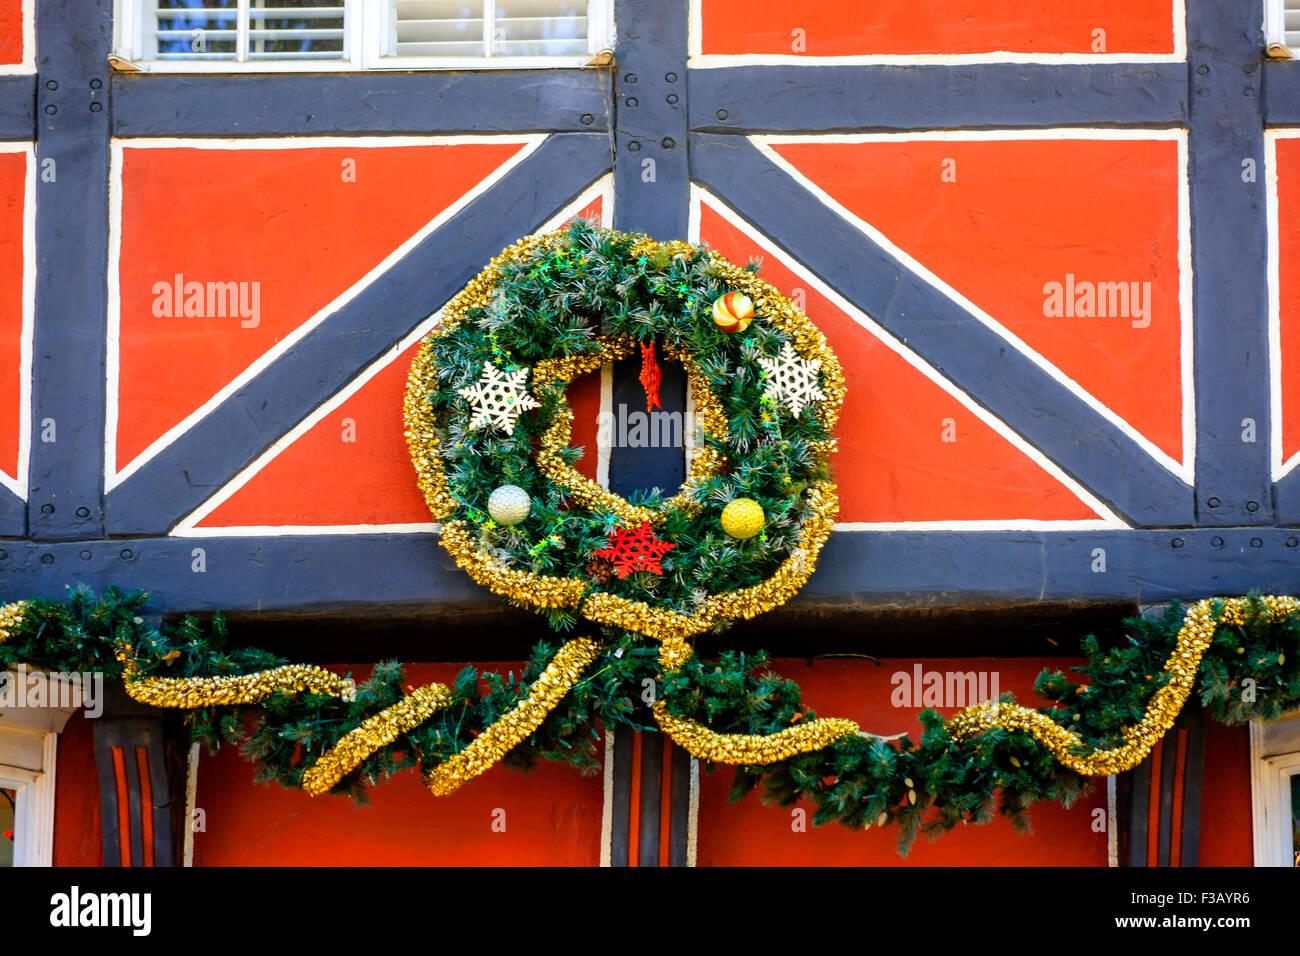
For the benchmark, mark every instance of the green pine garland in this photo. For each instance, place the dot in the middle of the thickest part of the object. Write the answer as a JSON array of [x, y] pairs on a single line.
[[924, 786]]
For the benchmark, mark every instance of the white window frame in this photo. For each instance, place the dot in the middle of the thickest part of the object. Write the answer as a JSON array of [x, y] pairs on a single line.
[[365, 33], [34, 804], [1275, 30], [1275, 763]]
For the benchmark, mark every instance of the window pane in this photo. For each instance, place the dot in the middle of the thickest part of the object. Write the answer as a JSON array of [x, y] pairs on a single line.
[[432, 28], [1295, 819], [7, 800], [540, 28], [194, 30], [295, 30], [437, 27]]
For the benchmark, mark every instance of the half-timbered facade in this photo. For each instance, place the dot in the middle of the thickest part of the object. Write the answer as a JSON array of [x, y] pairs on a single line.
[[1054, 245]]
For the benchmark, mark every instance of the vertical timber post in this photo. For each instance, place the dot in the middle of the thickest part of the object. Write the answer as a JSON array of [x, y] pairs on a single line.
[[652, 195]]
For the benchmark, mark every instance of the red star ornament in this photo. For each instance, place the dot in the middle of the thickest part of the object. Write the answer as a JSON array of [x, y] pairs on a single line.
[[637, 549]]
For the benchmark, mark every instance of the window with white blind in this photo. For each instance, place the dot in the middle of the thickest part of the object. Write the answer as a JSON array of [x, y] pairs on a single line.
[[1282, 28], [287, 35]]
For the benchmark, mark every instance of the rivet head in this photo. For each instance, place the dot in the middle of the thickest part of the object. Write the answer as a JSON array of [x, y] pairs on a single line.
[[1202, 69], [632, 101], [670, 77], [1292, 541], [672, 98], [52, 85], [629, 77], [1217, 541], [586, 119], [4, 555], [127, 554], [633, 146], [47, 558], [1252, 506], [51, 109], [85, 555], [96, 83], [668, 142], [47, 509], [1248, 92], [83, 512], [1256, 542], [1177, 542], [1212, 502], [96, 107], [721, 114]]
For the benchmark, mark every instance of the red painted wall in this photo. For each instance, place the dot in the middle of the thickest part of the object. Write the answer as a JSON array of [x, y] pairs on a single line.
[[77, 835], [747, 833], [552, 816], [905, 27]]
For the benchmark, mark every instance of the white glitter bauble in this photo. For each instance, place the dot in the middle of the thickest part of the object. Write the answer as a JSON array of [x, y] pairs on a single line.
[[509, 504]]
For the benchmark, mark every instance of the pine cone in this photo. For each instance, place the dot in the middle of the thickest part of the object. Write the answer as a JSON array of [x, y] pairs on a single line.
[[599, 570]]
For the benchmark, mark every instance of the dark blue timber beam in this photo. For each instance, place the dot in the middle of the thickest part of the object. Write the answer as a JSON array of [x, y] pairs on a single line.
[[857, 569], [653, 192], [65, 476], [373, 102], [203, 459], [1229, 263], [13, 514], [17, 107], [1088, 446], [791, 99], [1281, 93]]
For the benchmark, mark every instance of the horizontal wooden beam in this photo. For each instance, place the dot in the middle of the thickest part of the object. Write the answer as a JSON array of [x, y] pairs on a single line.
[[17, 107], [977, 359], [859, 569], [790, 99], [497, 101], [1281, 92]]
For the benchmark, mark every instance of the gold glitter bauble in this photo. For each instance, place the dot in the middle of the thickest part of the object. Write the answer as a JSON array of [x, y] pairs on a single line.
[[743, 518]]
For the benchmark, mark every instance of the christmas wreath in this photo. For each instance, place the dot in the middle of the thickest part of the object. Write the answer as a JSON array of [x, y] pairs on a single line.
[[488, 425]]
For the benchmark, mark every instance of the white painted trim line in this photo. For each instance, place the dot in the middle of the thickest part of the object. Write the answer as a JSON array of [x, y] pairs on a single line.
[[1280, 467], [18, 483], [1106, 518], [191, 801], [697, 59], [187, 527], [1184, 469], [607, 802], [113, 477]]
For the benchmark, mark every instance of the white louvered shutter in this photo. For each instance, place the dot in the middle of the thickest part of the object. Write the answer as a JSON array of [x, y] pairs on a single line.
[[484, 28]]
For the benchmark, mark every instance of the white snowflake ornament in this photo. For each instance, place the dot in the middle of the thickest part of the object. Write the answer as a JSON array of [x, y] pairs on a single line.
[[791, 380], [498, 398]]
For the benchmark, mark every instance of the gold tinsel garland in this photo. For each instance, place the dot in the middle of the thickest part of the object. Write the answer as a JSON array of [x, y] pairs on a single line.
[[1162, 710], [751, 749], [11, 619], [372, 734], [513, 727], [191, 693]]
